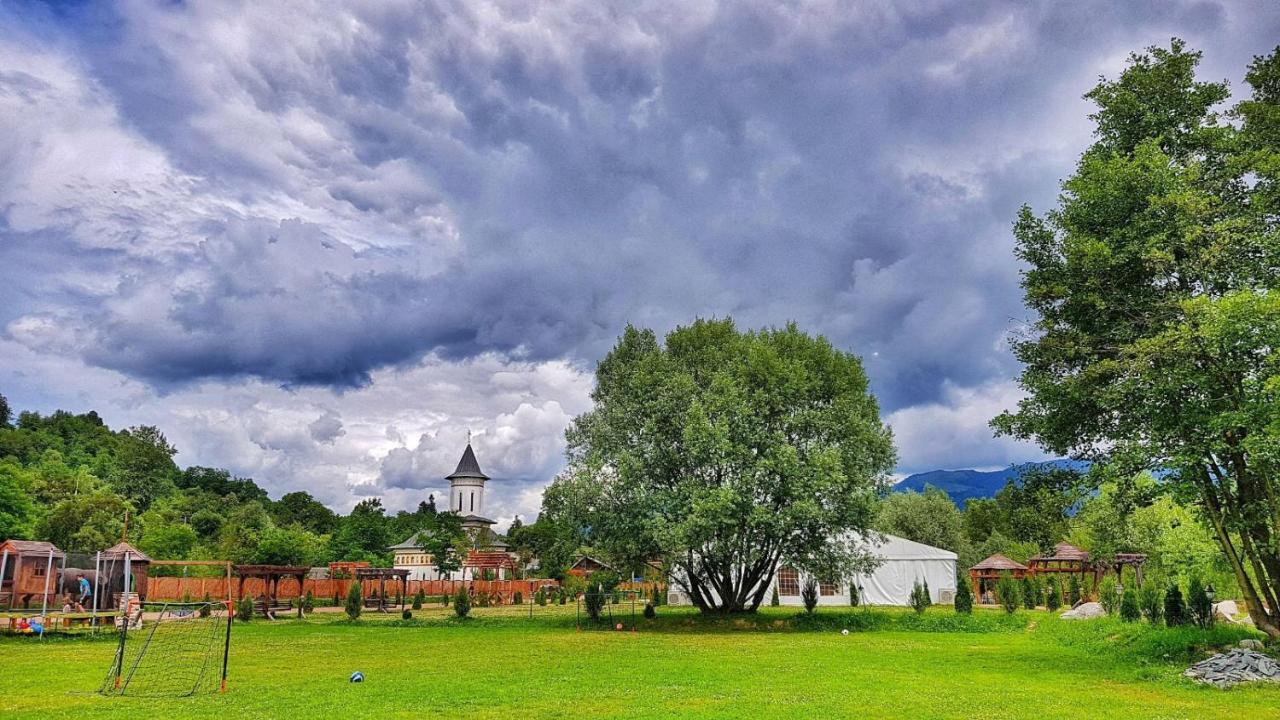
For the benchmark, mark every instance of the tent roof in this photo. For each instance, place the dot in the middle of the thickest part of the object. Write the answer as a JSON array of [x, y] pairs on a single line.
[[999, 562], [892, 547]]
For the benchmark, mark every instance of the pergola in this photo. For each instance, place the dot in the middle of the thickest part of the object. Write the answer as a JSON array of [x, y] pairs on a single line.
[[990, 570], [382, 575], [481, 560], [1119, 563], [272, 575]]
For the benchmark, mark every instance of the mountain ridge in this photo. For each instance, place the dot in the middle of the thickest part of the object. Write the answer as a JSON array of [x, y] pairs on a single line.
[[963, 484]]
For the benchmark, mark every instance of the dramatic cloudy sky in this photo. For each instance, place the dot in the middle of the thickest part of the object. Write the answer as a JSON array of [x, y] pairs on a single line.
[[316, 244]]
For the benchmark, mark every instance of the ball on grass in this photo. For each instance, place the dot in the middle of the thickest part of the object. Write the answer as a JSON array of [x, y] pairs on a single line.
[[619, 626], [357, 676], [844, 631]]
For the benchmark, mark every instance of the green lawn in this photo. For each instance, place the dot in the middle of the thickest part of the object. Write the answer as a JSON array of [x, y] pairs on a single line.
[[501, 665]]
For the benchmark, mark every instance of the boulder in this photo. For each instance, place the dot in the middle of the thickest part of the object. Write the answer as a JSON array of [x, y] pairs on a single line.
[[1251, 644], [1084, 611], [1226, 610]]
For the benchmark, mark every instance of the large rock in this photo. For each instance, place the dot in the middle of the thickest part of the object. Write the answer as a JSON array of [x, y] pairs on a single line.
[[1226, 610], [1251, 644], [1234, 667], [1084, 611]]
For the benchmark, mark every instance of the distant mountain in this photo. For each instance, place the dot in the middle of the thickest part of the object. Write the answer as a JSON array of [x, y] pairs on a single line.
[[964, 484]]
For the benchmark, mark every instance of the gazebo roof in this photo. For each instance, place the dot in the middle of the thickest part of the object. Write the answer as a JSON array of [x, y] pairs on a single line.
[[999, 562], [122, 547], [1065, 551]]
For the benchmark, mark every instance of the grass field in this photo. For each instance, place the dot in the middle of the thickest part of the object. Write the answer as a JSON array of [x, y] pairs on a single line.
[[503, 665]]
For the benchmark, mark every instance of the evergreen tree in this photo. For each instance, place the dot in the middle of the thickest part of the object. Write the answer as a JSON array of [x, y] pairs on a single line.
[[773, 599], [1199, 607], [964, 597], [461, 603], [1175, 611], [1150, 602], [809, 594], [1129, 610], [1029, 593], [1052, 595], [1075, 592], [355, 602], [244, 609], [919, 597], [649, 612], [854, 598], [1007, 593], [1109, 596]]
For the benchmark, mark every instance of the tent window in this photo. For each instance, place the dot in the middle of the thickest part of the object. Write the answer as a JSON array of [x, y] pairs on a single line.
[[828, 588], [788, 581]]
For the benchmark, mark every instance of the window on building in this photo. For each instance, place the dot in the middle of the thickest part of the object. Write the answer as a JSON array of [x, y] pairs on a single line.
[[473, 502], [828, 588], [39, 571], [788, 581]]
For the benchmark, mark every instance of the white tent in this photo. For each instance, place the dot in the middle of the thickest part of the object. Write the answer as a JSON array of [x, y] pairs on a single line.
[[903, 564]]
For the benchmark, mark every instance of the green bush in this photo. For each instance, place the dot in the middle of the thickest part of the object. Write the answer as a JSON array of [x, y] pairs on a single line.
[[461, 603], [418, 599], [649, 612], [1199, 607], [540, 596], [517, 598], [854, 597], [1175, 611], [773, 599], [1007, 593], [964, 597], [406, 614], [919, 599], [337, 599], [1052, 595], [1029, 593], [1109, 596], [309, 603], [355, 602], [207, 608], [1074, 593], [1129, 610], [593, 603], [244, 609], [809, 594], [1150, 602]]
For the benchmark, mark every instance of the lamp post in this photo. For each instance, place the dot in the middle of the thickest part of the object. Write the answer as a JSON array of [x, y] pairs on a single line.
[[1209, 592]]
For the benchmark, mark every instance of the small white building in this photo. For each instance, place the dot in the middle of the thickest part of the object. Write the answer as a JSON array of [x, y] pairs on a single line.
[[903, 564]]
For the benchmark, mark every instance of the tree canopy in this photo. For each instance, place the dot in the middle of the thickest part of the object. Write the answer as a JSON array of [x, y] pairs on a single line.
[[725, 453], [1154, 282]]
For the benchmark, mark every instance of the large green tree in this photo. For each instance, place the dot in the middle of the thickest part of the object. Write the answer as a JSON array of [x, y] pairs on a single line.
[[1155, 285], [725, 453], [928, 517]]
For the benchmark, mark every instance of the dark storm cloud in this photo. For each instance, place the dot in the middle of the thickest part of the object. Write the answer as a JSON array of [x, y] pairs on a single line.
[[334, 192]]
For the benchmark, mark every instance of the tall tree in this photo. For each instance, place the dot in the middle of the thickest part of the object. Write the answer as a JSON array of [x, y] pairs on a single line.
[[725, 453], [1155, 284], [928, 517], [301, 509]]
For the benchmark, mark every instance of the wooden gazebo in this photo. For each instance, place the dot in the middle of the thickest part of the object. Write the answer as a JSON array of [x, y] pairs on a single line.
[[987, 573], [271, 576], [1068, 560], [382, 575], [1118, 563], [27, 571], [113, 580]]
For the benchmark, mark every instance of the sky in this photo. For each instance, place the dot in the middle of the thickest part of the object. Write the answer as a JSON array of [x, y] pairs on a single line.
[[318, 244]]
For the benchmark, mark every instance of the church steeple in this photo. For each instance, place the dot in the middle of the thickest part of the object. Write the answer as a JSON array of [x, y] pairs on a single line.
[[466, 487], [468, 466]]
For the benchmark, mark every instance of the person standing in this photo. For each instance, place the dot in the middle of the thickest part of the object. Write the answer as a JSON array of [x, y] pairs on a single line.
[[86, 590]]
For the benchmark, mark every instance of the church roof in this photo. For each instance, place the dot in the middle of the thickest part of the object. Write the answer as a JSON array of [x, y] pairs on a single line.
[[474, 519], [414, 542], [468, 467]]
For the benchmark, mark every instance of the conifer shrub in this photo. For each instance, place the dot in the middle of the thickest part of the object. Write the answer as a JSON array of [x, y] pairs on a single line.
[[593, 602], [919, 599], [1150, 602], [540, 596], [244, 609], [1074, 593], [309, 602], [1028, 591], [1052, 595], [406, 614], [964, 598], [773, 599], [809, 594], [854, 597], [337, 599], [1199, 607], [206, 609], [1109, 597], [517, 598], [1175, 610], [461, 603], [649, 612], [1129, 610], [355, 602], [1007, 593], [418, 599]]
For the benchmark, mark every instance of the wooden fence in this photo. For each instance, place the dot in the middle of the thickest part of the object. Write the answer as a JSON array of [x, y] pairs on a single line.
[[175, 588]]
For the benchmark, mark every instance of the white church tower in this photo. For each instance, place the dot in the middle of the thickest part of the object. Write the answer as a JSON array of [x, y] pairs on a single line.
[[466, 491]]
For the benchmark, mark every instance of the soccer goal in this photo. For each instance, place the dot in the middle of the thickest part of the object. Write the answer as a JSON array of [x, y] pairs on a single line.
[[170, 649]]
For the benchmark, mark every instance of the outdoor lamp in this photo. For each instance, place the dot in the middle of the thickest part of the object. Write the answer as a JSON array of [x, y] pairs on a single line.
[[1209, 592]]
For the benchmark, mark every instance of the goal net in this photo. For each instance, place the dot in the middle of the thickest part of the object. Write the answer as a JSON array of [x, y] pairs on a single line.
[[170, 649]]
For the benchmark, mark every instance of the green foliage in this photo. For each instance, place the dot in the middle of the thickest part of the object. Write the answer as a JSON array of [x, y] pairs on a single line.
[[1052, 595], [207, 609], [461, 603], [964, 597], [1008, 593], [928, 517], [1199, 606], [1175, 610], [517, 598], [244, 609], [355, 602], [1151, 602], [1108, 596], [309, 602], [540, 596], [854, 596], [1030, 593], [406, 614], [774, 601], [809, 594], [1075, 593], [419, 598], [17, 512], [649, 612], [1129, 608], [920, 600], [1155, 289], [743, 423]]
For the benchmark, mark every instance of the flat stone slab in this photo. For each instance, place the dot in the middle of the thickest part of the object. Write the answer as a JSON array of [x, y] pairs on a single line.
[[1235, 666]]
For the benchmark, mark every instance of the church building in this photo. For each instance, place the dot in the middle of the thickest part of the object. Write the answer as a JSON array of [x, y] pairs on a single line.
[[466, 498]]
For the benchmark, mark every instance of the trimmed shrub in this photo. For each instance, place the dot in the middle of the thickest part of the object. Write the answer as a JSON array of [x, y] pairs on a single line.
[[919, 598], [418, 599], [540, 596], [1129, 611], [964, 598], [1074, 593], [593, 603], [1007, 593], [1175, 611], [809, 594], [244, 609], [337, 599], [517, 598], [1199, 607], [206, 609], [309, 602], [461, 603], [854, 598], [1150, 602], [1029, 593], [649, 612], [406, 614], [355, 602], [1052, 595], [1109, 597], [773, 599]]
